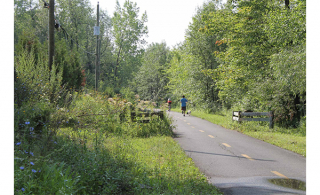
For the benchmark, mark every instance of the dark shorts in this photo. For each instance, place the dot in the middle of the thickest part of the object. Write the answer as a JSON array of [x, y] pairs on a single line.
[[184, 108]]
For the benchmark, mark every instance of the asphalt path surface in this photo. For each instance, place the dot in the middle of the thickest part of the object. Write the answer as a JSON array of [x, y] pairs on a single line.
[[234, 162]]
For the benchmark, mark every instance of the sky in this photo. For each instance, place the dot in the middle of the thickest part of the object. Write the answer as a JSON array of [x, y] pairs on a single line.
[[167, 19]]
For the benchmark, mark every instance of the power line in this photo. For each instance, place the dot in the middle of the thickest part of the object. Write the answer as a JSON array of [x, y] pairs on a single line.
[[75, 41], [58, 25]]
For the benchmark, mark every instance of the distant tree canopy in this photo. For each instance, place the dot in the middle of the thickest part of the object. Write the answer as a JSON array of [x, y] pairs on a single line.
[[151, 79], [128, 32]]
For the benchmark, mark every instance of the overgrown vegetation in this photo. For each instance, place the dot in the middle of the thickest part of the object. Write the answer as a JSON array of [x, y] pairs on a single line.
[[79, 141], [86, 143]]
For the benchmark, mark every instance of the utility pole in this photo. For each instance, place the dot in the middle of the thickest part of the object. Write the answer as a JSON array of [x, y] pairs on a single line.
[[51, 33], [97, 32]]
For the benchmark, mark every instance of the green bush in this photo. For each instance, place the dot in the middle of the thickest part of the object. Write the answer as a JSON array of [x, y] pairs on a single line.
[[112, 116], [37, 92], [127, 94], [35, 82], [68, 61]]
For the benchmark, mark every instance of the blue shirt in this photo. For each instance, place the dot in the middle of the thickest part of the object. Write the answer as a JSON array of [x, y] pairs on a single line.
[[183, 102]]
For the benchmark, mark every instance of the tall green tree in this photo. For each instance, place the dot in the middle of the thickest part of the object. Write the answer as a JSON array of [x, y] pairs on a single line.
[[256, 33], [286, 31], [193, 59], [246, 55], [30, 16], [185, 75], [202, 46], [77, 18], [106, 48], [151, 79], [128, 32]]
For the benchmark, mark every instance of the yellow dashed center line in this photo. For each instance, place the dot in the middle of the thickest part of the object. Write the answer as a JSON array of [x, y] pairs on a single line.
[[188, 123], [201, 131], [184, 120], [227, 145], [192, 126], [211, 136], [279, 174], [248, 157]]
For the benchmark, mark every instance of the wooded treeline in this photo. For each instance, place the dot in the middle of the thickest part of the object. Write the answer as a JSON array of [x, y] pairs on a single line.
[[121, 39], [244, 55]]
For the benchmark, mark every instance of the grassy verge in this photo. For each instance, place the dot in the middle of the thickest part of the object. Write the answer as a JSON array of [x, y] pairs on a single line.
[[290, 139], [89, 162], [153, 165]]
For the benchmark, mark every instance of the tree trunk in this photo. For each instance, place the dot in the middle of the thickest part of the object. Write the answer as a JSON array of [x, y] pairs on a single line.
[[287, 4], [117, 63]]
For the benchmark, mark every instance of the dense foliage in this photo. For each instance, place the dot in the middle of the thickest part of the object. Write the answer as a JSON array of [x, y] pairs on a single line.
[[246, 55], [151, 79], [128, 31]]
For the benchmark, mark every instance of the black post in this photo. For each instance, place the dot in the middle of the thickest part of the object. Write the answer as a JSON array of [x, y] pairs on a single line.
[[51, 33], [271, 120], [97, 52]]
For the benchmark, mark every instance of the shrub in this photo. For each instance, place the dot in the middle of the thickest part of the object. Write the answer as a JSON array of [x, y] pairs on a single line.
[[35, 82], [68, 61]]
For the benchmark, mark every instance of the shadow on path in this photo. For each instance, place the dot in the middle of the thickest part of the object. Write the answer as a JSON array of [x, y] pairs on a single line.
[[243, 190], [234, 156]]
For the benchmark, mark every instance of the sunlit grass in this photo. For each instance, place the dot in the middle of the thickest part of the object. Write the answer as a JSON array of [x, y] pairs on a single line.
[[153, 165]]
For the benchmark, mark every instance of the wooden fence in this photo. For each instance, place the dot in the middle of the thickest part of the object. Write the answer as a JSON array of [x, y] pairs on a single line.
[[134, 115], [243, 116]]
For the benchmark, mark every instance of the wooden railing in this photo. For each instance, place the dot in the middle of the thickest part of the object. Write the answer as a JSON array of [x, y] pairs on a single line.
[[243, 116], [134, 115]]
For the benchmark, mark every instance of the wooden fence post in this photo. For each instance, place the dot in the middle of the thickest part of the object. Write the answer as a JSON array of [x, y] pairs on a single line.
[[133, 116], [161, 115], [271, 120], [239, 116]]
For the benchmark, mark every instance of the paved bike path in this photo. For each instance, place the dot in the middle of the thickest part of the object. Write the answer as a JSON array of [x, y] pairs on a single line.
[[234, 162]]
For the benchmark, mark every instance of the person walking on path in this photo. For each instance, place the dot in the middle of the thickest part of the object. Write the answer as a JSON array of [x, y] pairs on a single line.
[[169, 104], [183, 105]]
